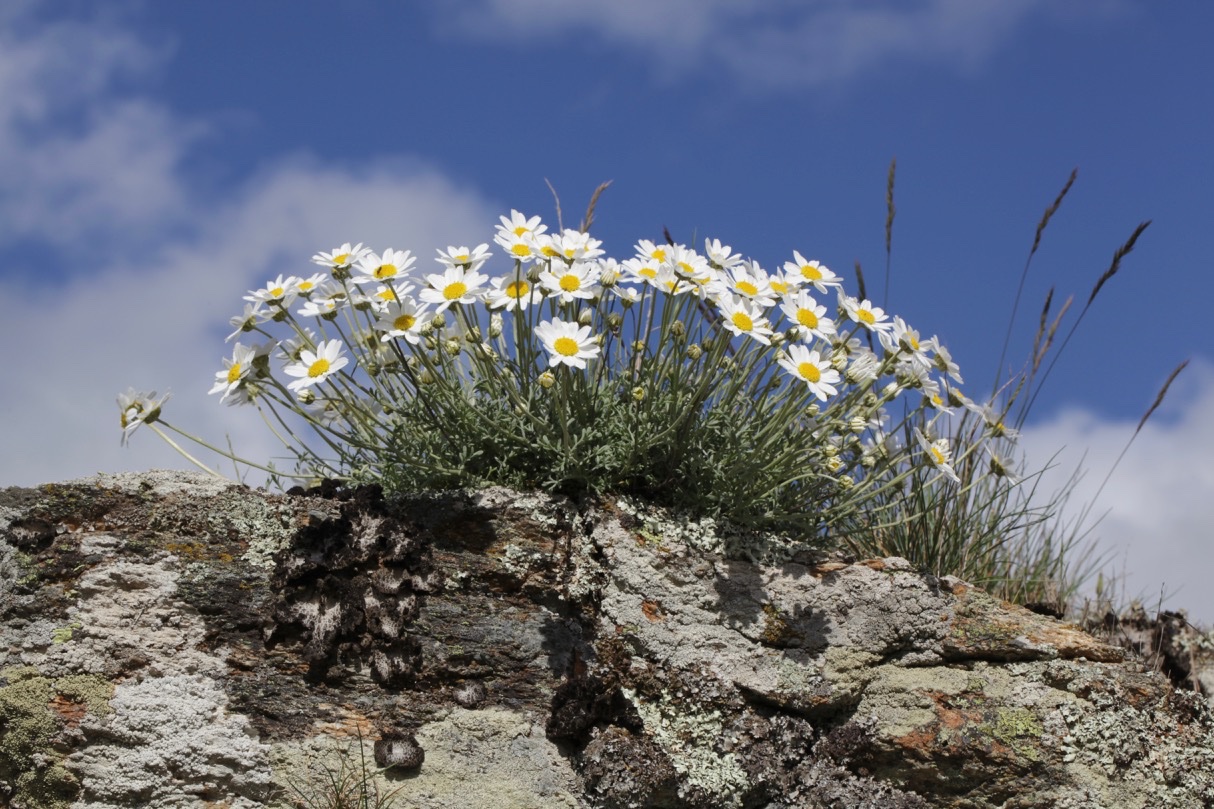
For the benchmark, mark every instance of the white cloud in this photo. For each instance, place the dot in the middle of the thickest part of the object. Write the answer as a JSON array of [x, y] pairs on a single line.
[[777, 43], [77, 163], [153, 311], [1158, 524]]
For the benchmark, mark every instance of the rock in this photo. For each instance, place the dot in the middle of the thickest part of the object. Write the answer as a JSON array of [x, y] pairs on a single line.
[[169, 641]]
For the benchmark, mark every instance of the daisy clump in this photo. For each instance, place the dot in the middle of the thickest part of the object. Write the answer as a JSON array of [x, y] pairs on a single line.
[[773, 399]]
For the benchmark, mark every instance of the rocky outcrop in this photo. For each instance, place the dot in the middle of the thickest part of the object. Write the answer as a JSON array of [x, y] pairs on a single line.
[[169, 641]]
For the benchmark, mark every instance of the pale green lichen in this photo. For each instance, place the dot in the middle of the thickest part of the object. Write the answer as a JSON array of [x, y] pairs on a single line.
[[64, 633], [89, 690], [688, 737], [1019, 729], [28, 726], [266, 528]]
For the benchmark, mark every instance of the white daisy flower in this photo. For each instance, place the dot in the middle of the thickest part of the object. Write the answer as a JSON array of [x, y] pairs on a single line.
[[392, 266], [863, 368], [279, 292], [812, 272], [519, 225], [316, 366], [747, 280], [567, 343], [513, 292], [864, 313], [807, 315], [341, 258], [235, 370], [577, 245], [453, 286], [810, 368], [721, 255], [745, 317], [938, 454], [579, 280], [402, 318], [138, 408], [253, 315], [464, 258], [647, 251]]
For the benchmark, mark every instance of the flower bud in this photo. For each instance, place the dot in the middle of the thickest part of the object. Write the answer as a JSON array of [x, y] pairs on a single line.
[[547, 380], [639, 346], [495, 326], [585, 317], [305, 396], [452, 347], [813, 410], [439, 321], [678, 329], [473, 335], [614, 321], [857, 424], [638, 394], [427, 377], [777, 338], [694, 352]]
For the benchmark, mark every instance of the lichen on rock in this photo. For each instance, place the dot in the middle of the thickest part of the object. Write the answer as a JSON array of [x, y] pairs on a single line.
[[169, 641]]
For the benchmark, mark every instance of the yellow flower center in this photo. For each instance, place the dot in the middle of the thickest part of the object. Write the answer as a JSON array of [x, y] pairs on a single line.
[[518, 289], [649, 272], [455, 291], [306, 286], [779, 287], [277, 292], [658, 254], [404, 322], [234, 372], [686, 268], [807, 318], [571, 283], [938, 456], [520, 230], [810, 272], [521, 250], [462, 258], [386, 294], [550, 251], [385, 271], [344, 258], [809, 371], [318, 368], [866, 316], [747, 288], [742, 321], [565, 346]]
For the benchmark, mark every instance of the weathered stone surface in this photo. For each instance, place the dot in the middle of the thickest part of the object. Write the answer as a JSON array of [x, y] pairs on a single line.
[[166, 640]]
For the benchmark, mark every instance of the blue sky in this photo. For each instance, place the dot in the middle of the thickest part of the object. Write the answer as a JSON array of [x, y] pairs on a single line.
[[160, 159]]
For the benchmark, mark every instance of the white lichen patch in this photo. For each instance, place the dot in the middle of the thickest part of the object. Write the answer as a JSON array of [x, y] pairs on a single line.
[[667, 527], [689, 737], [167, 741]]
